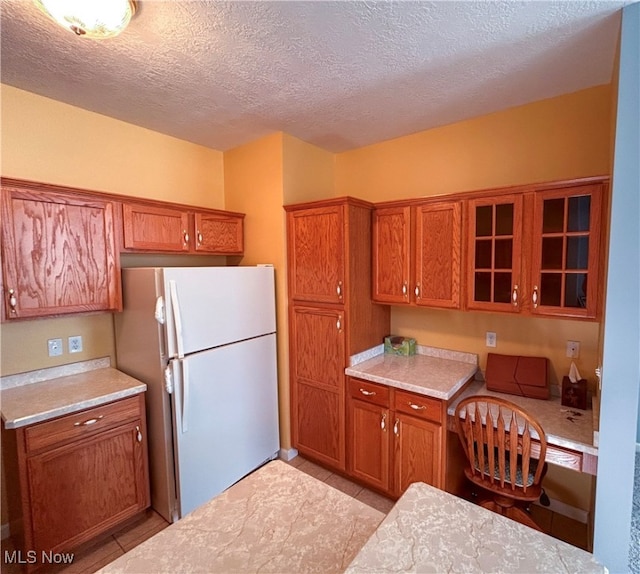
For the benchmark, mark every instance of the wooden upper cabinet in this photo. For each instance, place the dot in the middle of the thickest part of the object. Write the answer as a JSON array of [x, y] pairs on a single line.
[[566, 251], [437, 254], [425, 271], [218, 233], [494, 279], [391, 254], [59, 252], [153, 228], [316, 246], [162, 228]]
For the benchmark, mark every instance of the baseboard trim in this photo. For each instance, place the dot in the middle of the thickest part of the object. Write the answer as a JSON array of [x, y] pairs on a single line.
[[287, 454], [5, 531], [567, 510]]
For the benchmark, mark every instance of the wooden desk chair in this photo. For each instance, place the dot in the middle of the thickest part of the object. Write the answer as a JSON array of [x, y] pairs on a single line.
[[499, 460]]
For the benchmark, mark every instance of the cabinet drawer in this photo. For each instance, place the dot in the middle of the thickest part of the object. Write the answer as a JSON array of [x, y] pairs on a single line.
[[81, 424], [369, 392], [420, 406]]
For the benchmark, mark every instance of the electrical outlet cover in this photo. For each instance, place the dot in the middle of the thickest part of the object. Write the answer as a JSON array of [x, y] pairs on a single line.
[[491, 339], [75, 344]]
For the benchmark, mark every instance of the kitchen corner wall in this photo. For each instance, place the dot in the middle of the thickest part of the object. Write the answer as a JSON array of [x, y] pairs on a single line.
[[261, 177]]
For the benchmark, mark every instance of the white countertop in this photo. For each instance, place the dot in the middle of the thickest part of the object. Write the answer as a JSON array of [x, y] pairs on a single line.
[[429, 530], [432, 372], [34, 402], [278, 519]]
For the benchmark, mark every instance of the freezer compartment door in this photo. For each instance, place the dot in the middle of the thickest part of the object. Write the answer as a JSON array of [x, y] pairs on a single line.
[[211, 306], [225, 413]]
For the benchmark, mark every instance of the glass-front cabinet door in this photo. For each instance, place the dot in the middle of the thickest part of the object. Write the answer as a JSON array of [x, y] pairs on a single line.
[[566, 246], [495, 230]]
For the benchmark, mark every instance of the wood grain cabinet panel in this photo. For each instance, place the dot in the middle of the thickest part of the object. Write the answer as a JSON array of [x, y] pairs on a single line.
[[217, 233], [59, 252], [331, 316], [153, 228], [76, 486], [417, 254], [162, 228]]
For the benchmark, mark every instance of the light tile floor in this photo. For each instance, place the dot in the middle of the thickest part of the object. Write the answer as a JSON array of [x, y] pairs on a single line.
[[99, 553]]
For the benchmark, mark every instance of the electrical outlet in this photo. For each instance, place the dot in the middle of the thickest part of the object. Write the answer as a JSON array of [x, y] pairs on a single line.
[[55, 347], [491, 339], [573, 349], [75, 344]]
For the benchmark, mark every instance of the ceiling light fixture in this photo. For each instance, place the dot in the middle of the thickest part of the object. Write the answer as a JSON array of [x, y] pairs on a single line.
[[90, 18]]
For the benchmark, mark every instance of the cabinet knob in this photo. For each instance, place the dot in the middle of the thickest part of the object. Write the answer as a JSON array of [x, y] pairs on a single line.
[[185, 237], [383, 422], [534, 297], [367, 393], [13, 301], [514, 296]]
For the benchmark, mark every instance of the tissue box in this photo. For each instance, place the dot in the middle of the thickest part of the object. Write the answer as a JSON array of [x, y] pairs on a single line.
[[574, 395], [399, 345]]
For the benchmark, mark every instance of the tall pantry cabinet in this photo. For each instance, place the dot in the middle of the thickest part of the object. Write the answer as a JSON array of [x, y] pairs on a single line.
[[331, 317]]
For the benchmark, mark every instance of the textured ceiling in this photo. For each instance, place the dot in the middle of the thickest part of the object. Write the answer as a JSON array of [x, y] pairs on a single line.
[[336, 74]]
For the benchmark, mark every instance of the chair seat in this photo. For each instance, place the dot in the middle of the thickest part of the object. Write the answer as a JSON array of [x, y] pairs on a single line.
[[533, 466]]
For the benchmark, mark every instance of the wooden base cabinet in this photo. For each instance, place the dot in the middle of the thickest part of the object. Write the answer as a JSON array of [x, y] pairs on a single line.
[[389, 449], [82, 474]]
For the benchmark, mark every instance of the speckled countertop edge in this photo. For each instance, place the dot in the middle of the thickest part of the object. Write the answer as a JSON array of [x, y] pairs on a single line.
[[35, 402], [465, 365], [30, 377]]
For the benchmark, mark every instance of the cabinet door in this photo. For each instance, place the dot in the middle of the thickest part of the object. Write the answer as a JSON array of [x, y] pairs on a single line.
[[368, 432], [317, 389], [83, 488], [438, 237], [417, 452], [217, 233], [566, 245], [154, 228], [495, 238], [59, 254], [316, 254], [391, 254]]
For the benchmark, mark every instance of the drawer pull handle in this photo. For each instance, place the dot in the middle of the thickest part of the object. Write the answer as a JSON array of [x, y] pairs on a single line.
[[139, 434], [383, 422], [13, 301], [396, 429], [416, 407], [339, 290], [88, 422], [367, 393], [200, 238], [185, 237]]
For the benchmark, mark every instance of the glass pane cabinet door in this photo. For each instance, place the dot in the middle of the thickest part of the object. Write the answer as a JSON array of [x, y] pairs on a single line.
[[566, 247], [494, 253]]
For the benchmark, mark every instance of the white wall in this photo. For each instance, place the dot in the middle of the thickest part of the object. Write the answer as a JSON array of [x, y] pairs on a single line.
[[621, 365]]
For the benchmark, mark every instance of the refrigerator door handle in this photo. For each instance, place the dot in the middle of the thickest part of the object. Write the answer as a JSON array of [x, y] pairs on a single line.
[[185, 395], [177, 319], [168, 380], [159, 313]]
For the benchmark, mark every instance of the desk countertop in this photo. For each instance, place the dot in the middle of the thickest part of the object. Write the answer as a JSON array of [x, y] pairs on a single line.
[[429, 530], [564, 427]]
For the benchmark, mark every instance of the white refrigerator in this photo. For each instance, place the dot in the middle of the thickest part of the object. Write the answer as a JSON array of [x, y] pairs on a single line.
[[204, 341]]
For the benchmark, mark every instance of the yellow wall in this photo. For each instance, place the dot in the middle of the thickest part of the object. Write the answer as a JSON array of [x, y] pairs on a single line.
[[261, 177], [559, 138]]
